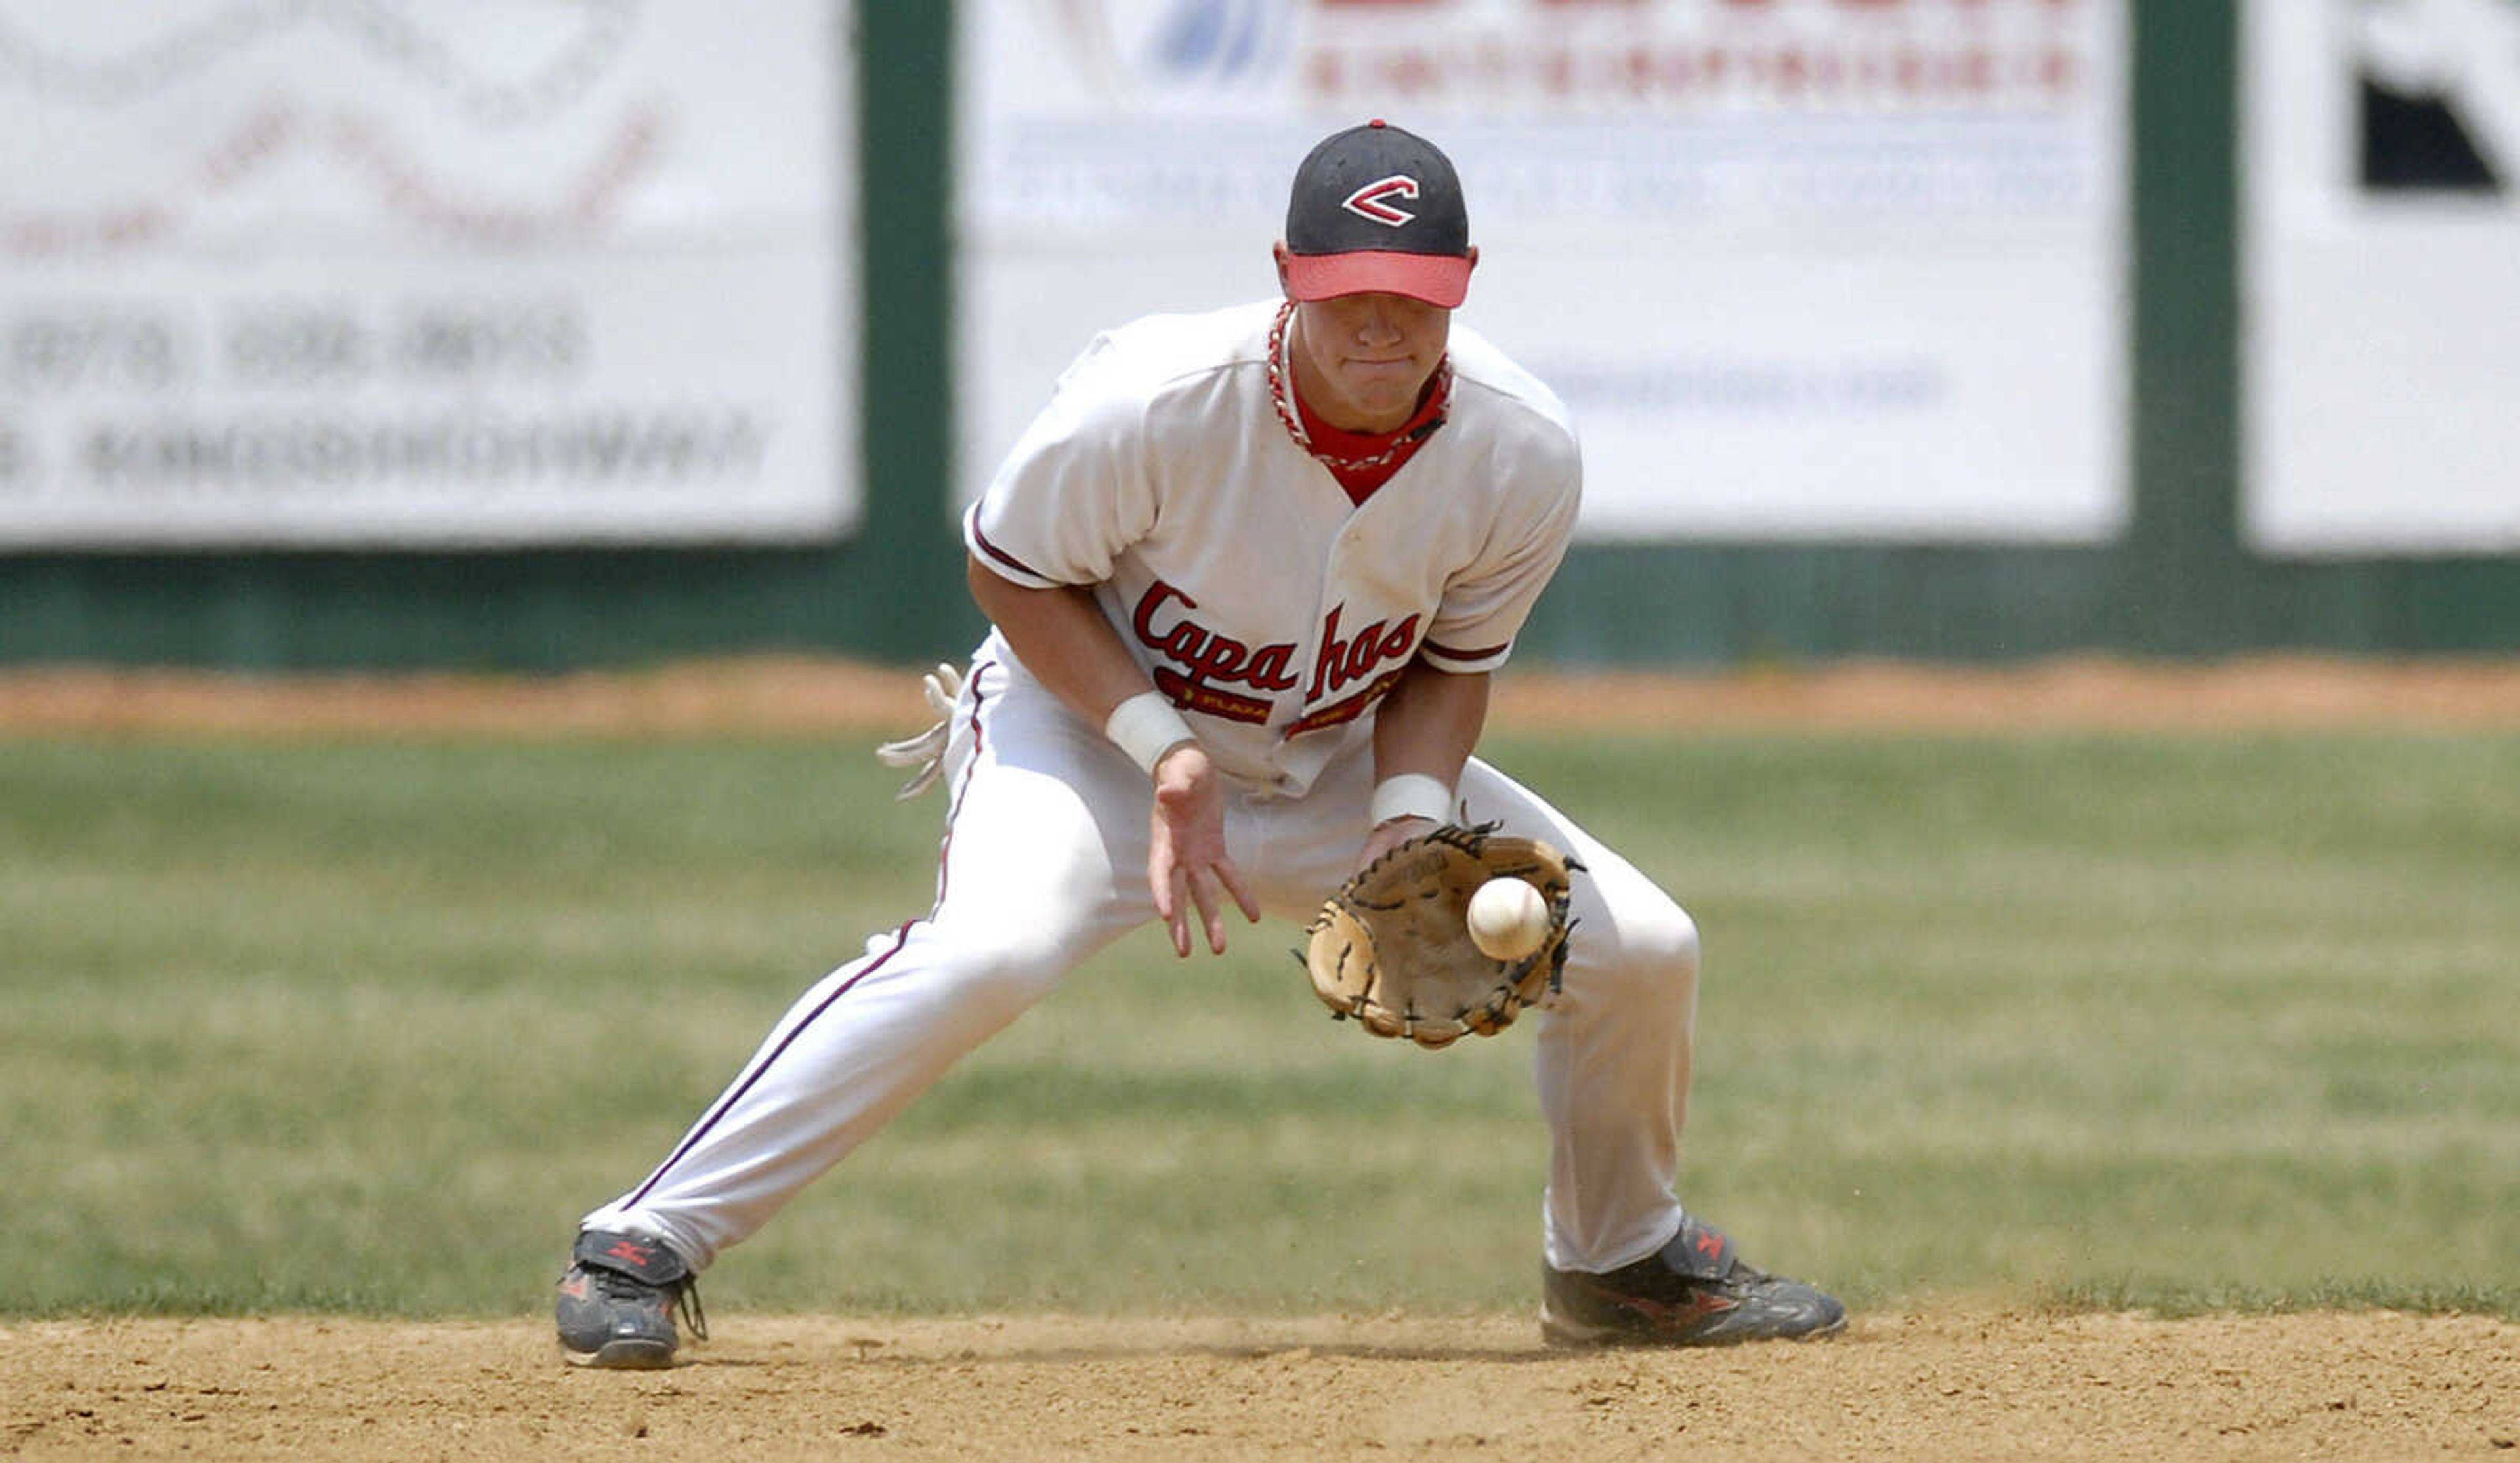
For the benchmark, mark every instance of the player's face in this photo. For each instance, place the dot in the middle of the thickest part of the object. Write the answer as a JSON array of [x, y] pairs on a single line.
[[1361, 360]]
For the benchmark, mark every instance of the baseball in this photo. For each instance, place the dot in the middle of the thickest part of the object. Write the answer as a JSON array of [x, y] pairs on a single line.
[[1507, 919]]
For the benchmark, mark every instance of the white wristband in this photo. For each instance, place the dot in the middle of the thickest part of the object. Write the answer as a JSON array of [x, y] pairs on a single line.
[[1410, 795], [1147, 727]]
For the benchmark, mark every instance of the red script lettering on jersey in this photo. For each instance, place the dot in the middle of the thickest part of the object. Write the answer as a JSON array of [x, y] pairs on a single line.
[[1342, 661], [1204, 662], [1205, 656]]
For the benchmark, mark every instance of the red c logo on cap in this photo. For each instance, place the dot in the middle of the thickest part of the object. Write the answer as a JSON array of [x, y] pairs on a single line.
[[1368, 201]]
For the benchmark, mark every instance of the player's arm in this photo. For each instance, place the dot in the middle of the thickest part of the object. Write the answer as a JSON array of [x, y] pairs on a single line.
[[1061, 637], [1426, 728]]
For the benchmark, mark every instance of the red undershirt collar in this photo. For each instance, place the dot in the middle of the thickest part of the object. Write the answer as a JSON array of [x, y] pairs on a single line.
[[1339, 442]]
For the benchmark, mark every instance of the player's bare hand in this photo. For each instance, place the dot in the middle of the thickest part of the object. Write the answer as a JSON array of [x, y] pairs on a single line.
[[1186, 865], [1390, 834]]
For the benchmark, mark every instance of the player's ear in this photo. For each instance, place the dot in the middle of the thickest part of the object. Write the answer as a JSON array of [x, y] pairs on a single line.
[[1278, 251], [1472, 257]]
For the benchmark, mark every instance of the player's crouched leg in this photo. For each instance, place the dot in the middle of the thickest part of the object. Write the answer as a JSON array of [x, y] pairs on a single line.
[[851, 1052], [1614, 1077]]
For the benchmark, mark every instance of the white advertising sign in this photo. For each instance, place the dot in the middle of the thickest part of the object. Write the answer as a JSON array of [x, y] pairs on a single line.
[[395, 274], [2381, 375], [1802, 269]]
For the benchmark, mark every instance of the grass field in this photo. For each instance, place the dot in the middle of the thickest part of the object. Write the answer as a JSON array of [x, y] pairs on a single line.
[[2180, 1022]]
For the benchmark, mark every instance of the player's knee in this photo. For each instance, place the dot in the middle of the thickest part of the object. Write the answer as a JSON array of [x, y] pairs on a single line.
[[1012, 973], [1656, 955], [1669, 943]]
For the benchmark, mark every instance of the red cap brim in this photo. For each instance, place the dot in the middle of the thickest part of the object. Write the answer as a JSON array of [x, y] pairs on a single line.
[[1437, 278]]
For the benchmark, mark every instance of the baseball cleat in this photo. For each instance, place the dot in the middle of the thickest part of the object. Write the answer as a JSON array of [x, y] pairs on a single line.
[[1694, 1292], [617, 1301]]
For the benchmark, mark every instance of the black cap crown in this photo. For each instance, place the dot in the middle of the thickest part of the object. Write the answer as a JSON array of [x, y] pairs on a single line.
[[1375, 208]]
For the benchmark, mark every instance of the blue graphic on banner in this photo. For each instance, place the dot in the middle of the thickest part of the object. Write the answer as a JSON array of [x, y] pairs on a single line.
[[1181, 46]]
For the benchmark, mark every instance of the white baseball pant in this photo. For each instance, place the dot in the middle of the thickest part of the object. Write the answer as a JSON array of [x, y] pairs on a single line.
[[1044, 863]]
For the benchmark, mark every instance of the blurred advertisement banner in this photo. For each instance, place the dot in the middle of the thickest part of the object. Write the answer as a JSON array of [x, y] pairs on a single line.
[[1802, 269], [2381, 375], [393, 274]]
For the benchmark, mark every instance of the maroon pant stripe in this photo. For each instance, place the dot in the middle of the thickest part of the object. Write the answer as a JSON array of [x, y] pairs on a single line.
[[979, 744], [901, 937]]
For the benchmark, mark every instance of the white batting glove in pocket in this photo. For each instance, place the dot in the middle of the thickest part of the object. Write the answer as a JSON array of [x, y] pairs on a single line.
[[926, 750]]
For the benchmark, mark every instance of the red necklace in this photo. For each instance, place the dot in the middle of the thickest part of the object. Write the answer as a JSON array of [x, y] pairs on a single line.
[[1282, 372]]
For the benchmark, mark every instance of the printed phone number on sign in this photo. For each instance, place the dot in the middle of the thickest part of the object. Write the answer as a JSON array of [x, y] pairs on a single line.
[[120, 348]]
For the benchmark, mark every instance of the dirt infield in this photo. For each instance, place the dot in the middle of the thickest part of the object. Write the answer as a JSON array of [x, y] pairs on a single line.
[[805, 696], [1938, 1386]]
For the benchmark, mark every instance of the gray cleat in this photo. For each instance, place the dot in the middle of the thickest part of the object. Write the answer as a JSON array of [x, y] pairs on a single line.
[[617, 1301], [1694, 1292]]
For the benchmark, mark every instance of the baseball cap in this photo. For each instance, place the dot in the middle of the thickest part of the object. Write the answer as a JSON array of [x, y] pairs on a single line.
[[1377, 208]]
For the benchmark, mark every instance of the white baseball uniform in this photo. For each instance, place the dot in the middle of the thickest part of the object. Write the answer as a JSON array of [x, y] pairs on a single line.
[[1274, 612]]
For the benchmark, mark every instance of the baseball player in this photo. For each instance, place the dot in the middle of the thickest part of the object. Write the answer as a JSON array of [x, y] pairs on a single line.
[[1249, 574]]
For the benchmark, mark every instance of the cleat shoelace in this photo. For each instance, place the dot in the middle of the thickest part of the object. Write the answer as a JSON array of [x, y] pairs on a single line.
[[683, 1296]]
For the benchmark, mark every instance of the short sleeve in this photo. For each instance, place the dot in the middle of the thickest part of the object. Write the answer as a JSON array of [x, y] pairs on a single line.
[[1074, 491], [1484, 607]]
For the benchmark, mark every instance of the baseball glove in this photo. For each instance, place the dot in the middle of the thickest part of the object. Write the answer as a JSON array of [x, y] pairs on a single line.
[[1392, 947]]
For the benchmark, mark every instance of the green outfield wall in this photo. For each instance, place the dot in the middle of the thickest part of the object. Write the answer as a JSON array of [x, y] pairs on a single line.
[[2178, 583]]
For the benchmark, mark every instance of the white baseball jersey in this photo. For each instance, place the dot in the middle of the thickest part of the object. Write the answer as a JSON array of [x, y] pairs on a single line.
[[1262, 601]]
